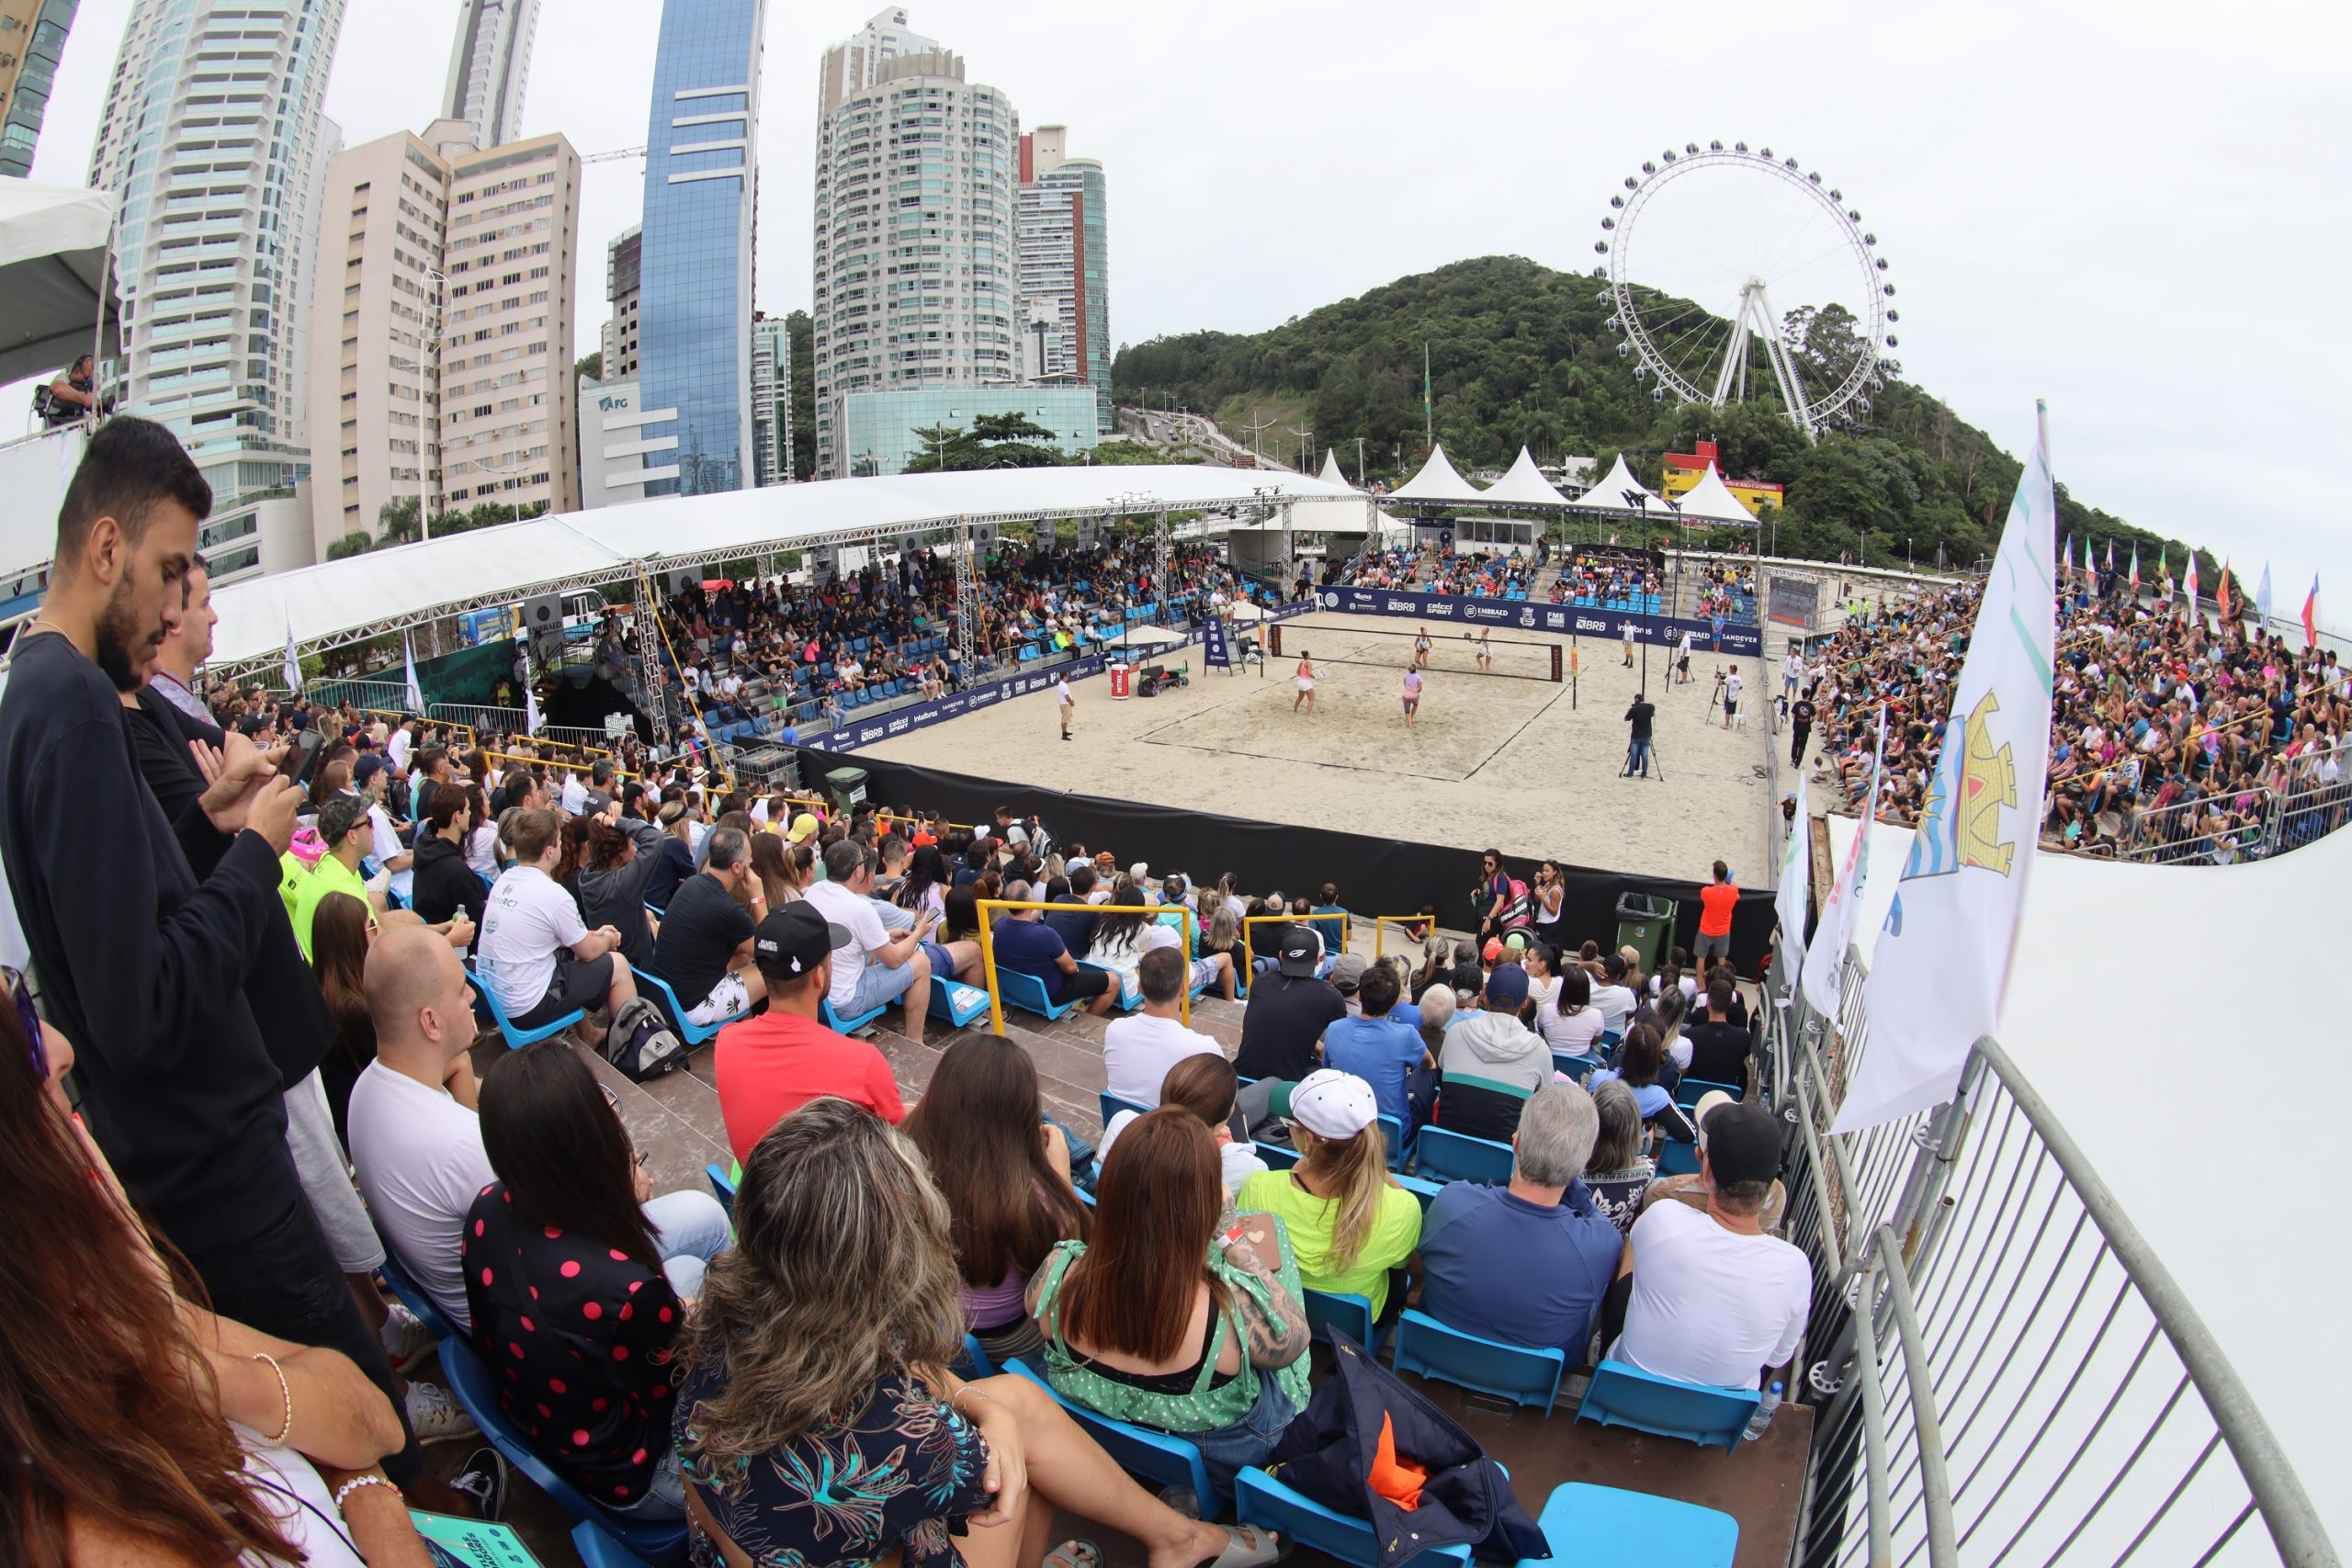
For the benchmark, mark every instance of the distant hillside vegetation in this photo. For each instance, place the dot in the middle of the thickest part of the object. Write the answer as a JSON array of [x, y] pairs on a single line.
[[1519, 357]]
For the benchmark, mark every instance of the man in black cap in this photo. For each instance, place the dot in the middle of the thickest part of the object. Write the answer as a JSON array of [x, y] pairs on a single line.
[[768, 1067], [1717, 1301], [1289, 1010]]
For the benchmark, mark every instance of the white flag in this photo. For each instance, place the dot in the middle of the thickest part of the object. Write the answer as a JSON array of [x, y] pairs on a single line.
[[1825, 962], [415, 691], [293, 665], [530, 707], [1942, 961], [2262, 599], [1788, 904]]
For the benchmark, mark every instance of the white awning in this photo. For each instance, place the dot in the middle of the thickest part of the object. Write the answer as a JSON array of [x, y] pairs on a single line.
[[1712, 501], [1142, 637], [1437, 481], [1524, 485], [52, 254], [384, 590], [1331, 474], [1610, 495]]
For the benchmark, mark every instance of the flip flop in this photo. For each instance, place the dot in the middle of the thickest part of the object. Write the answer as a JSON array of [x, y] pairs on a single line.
[[1075, 1555], [1252, 1546]]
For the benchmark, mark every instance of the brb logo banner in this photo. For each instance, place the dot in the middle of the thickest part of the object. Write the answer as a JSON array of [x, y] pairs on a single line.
[[1577, 620]]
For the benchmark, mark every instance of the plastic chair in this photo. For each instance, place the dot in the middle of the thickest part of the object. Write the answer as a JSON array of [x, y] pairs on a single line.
[[1624, 1395], [1162, 1456], [723, 1185], [834, 1020], [1259, 1499], [598, 1548], [973, 1361], [516, 1038], [470, 1381], [1577, 1067], [1452, 1156], [955, 1002], [1520, 1374], [1326, 1310], [1112, 1105], [1392, 1132], [411, 1295], [1687, 1093], [1424, 1192], [1275, 1156], [692, 1034], [1678, 1158], [1130, 998], [1028, 993]]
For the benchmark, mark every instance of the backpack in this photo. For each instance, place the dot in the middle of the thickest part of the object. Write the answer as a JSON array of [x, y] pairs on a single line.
[[640, 1043]]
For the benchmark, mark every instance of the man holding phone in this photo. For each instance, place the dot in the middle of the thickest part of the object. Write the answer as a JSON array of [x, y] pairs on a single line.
[[879, 965]]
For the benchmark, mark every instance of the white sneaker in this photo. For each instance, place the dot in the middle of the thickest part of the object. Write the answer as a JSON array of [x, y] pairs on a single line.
[[434, 1414], [404, 1336]]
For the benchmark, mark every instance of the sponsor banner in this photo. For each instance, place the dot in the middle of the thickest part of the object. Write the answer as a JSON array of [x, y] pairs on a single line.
[[1456, 609]]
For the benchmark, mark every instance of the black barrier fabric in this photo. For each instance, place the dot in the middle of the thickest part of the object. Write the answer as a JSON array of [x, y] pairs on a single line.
[[1529, 616], [1375, 876]]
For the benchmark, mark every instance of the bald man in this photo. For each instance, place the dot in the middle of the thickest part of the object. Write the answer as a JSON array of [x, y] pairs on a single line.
[[414, 1137]]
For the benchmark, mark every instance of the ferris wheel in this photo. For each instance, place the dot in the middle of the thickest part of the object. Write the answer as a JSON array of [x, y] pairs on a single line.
[[1714, 255]]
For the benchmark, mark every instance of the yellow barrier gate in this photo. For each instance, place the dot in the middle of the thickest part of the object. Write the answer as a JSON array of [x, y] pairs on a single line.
[[989, 907]]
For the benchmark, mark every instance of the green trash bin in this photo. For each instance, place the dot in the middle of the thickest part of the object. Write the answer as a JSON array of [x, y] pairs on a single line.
[[1646, 924], [847, 787]]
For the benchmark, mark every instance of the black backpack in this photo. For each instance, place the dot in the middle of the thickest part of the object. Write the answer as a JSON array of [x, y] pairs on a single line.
[[640, 1042]]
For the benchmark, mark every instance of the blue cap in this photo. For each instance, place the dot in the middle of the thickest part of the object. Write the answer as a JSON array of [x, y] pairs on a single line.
[[1507, 984]]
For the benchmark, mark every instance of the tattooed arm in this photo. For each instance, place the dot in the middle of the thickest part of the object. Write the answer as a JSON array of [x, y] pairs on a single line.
[[1274, 1331]]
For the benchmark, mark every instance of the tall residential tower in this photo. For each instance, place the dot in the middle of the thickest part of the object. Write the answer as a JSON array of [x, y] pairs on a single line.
[[489, 62], [1064, 266], [771, 401], [32, 35], [701, 200], [914, 250]]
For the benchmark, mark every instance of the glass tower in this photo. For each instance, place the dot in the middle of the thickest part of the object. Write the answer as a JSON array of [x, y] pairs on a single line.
[[694, 272], [32, 35]]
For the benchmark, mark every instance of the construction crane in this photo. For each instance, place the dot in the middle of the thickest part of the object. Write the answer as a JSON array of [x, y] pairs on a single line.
[[612, 157]]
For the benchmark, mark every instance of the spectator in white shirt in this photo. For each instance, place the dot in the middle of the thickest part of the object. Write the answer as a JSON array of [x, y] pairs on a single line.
[[1715, 1301], [1137, 1050], [878, 965], [1203, 1084], [1612, 997], [414, 1137], [535, 951]]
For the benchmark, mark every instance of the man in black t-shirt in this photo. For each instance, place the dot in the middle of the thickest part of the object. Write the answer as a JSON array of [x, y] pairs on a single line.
[[1639, 715], [1288, 1010], [1719, 1046], [705, 946], [1801, 717]]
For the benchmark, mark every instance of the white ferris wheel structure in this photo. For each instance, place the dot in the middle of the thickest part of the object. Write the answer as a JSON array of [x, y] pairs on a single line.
[[1723, 241]]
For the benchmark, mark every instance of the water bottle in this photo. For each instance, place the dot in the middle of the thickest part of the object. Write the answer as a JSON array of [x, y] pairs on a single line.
[[1763, 1417]]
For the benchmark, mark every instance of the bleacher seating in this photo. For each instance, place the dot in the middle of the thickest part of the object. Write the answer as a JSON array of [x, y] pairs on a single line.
[[1508, 1371], [1624, 1395]]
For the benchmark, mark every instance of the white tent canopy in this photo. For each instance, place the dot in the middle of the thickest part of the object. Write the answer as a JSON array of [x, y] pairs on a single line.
[[1712, 501], [1437, 481], [363, 595], [1142, 637], [52, 255], [1524, 485], [1609, 495], [2132, 1074], [1331, 474]]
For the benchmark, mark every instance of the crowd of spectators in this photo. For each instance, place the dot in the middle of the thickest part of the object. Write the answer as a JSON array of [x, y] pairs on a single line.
[[2177, 734]]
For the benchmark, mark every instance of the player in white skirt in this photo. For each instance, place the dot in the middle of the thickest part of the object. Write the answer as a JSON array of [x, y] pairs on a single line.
[[1307, 674]]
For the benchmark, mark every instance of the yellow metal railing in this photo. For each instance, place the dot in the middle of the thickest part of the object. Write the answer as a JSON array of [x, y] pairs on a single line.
[[1380, 924], [987, 909]]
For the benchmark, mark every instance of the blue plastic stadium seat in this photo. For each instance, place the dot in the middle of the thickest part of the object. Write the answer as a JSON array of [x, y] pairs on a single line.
[[1275, 1156], [1392, 1135], [411, 1295], [1326, 1310], [1624, 1395], [1112, 1105], [517, 1037], [693, 1034], [1028, 993], [598, 1548], [1160, 1457], [1526, 1375], [722, 1186], [470, 1381], [1577, 1067], [1687, 1093], [1259, 1499], [1424, 1192], [1677, 1158], [835, 1022], [1441, 1156], [958, 1003], [1130, 996], [1606, 1524]]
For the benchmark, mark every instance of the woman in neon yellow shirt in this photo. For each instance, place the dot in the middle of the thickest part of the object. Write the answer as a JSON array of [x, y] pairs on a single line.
[[1350, 1223]]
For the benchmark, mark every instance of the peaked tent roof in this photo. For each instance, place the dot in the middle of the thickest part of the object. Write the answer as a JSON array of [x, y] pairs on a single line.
[[1713, 500], [1331, 468], [1609, 495], [1525, 484], [1437, 481]]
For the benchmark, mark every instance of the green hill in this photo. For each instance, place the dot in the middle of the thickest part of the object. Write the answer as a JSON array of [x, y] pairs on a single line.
[[1519, 355]]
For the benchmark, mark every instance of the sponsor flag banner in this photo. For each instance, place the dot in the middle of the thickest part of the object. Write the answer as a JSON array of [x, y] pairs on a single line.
[[2310, 614], [1942, 959], [1214, 653], [1825, 962], [408, 667], [2135, 571], [293, 665], [530, 707], [1789, 903], [2262, 597]]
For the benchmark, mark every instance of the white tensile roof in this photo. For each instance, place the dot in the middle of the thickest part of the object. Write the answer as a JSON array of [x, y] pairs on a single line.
[[1609, 494], [1524, 485], [52, 252], [1713, 500], [2129, 1073], [387, 587], [1437, 481], [1331, 474]]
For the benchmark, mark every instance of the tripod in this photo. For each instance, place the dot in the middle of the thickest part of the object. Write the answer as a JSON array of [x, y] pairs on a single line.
[[1656, 767]]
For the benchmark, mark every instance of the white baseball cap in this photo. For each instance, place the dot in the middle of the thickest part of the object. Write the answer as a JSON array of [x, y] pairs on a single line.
[[1156, 936], [1333, 1104]]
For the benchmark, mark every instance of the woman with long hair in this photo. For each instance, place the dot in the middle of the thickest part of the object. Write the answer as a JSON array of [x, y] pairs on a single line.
[[1347, 1220], [482, 838], [1205, 1084], [340, 931], [1641, 1059], [1567, 1020], [1004, 1170], [815, 1421], [784, 869], [142, 1427], [1118, 943], [1620, 1170], [675, 858], [1161, 1321], [616, 866], [574, 1281], [959, 919], [926, 887]]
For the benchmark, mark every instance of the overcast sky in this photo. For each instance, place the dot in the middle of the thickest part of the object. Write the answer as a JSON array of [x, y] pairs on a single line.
[[2135, 211]]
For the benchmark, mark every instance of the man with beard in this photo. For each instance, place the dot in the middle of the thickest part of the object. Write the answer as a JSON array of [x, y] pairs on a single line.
[[146, 929]]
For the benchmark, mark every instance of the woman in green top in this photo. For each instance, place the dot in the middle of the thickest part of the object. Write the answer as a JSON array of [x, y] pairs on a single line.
[[1176, 1316], [1347, 1220]]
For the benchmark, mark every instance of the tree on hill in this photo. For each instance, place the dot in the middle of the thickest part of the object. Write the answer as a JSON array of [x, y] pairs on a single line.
[[1519, 355], [995, 441]]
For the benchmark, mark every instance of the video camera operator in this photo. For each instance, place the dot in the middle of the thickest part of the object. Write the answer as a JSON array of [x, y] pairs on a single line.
[[1637, 753]]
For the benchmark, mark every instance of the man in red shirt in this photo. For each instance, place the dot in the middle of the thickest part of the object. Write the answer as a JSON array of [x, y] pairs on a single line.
[[1716, 905], [771, 1064]]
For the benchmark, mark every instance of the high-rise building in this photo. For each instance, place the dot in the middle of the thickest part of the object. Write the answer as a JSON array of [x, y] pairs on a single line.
[[623, 254], [32, 35], [1065, 268], [489, 62], [771, 401], [212, 139], [701, 202], [616, 459], [915, 246], [451, 380]]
